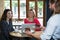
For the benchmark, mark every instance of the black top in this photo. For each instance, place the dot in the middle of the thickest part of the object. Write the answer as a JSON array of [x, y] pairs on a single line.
[[6, 29]]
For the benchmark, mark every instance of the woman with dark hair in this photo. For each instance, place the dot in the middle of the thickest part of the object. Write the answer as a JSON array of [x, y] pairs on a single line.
[[6, 24]]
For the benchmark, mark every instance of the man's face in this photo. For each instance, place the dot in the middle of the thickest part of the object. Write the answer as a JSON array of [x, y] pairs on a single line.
[[52, 6]]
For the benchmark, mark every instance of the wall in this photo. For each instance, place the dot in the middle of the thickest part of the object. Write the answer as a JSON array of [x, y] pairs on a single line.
[[1, 7]]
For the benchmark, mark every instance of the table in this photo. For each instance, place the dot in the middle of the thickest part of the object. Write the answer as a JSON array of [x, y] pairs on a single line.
[[21, 35], [17, 34]]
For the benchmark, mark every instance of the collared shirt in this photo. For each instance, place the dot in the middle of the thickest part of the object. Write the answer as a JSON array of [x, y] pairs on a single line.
[[52, 29]]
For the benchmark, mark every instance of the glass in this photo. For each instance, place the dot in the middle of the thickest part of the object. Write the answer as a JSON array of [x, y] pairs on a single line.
[[15, 8], [32, 5], [22, 9], [16, 28], [6, 4], [40, 9]]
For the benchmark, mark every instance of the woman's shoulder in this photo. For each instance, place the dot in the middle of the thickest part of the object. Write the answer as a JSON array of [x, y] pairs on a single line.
[[26, 19], [35, 18], [3, 21]]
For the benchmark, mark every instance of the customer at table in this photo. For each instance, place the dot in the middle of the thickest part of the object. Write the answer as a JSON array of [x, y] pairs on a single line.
[[32, 19], [52, 31], [6, 24]]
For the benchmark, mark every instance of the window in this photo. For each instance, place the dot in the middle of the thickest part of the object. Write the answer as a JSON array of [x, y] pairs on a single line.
[[18, 7], [15, 8], [7, 4], [40, 9], [22, 9], [32, 5], [37, 6]]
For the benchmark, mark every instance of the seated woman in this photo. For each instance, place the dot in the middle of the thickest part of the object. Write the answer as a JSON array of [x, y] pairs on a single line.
[[32, 19], [6, 24]]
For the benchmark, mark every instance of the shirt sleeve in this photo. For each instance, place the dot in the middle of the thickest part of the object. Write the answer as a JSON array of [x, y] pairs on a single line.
[[37, 21], [24, 20], [51, 26], [5, 29]]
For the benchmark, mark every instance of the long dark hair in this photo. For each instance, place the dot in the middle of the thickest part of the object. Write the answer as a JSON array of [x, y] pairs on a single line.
[[4, 15]]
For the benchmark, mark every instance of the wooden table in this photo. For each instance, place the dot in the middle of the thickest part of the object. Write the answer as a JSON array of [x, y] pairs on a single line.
[[17, 34], [21, 35]]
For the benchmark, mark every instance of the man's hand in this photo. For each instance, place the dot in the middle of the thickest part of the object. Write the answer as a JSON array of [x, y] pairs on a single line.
[[42, 28]]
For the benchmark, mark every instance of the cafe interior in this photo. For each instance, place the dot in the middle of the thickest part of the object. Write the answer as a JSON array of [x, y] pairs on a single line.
[[20, 17]]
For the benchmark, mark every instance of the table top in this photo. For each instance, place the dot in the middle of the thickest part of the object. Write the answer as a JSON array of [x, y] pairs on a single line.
[[17, 34]]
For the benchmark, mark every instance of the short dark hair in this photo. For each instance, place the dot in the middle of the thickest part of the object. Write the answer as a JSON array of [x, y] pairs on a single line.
[[4, 15]]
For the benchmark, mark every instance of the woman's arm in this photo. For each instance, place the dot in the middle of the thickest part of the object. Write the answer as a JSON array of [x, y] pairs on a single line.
[[4, 29]]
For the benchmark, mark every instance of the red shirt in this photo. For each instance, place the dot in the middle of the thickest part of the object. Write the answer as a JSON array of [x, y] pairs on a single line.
[[34, 21]]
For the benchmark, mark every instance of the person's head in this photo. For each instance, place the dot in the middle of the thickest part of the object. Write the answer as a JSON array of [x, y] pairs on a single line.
[[7, 14], [31, 14], [52, 4], [57, 6]]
